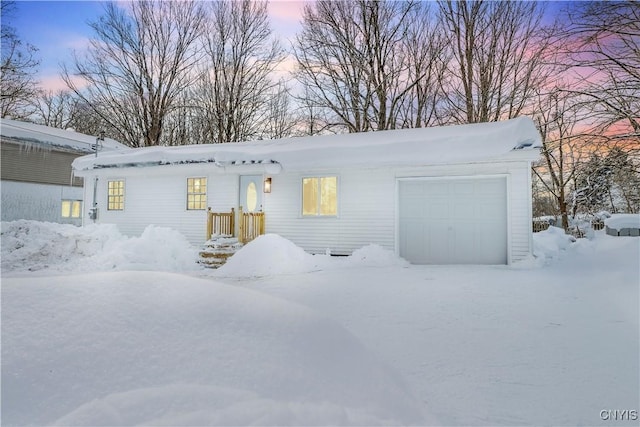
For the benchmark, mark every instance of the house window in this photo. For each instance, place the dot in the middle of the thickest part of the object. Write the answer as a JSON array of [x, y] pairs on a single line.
[[196, 193], [71, 208], [115, 200], [320, 196]]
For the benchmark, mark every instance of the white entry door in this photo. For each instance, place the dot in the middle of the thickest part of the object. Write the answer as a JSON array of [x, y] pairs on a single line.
[[251, 193], [453, 221]]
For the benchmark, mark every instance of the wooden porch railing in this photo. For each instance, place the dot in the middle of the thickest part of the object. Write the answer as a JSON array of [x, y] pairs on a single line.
[[250, 224], [221, 223]]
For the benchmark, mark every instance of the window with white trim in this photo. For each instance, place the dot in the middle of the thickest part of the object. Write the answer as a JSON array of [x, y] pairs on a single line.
[[196, 193], [115, 195], [71, 208], [320, 196]]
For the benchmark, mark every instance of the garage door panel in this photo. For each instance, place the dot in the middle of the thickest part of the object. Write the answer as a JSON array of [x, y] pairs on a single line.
[[412, 189], [463, 188], [463, 209], [413, 208], [489, 187], [436, 210], [433, 189], [457, 221]]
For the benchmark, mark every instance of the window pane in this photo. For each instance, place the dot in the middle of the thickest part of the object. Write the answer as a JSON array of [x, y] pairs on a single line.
[[115, 199], [66, 208], [328, 195], [196, 193], [76, 207], [252, 197], [310, 196]]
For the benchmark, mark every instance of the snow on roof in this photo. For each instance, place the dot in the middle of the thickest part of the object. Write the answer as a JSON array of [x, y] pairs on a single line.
[[422, 146], [48, 137]]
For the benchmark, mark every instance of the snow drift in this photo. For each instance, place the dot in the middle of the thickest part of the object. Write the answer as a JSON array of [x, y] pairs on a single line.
[[272, 254], [131, 348], [34, 246]]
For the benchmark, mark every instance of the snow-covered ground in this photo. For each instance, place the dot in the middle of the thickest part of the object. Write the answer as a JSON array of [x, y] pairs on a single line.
[[281, 337]]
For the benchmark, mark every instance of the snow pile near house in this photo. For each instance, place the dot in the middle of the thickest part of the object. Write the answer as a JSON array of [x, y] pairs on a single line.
[[51, 247], [551, 243], [620, 221], [267, 255], [375, 256], [272, 254], [149, 348]]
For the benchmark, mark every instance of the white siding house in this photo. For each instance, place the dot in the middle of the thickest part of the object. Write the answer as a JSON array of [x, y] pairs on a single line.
[[37, 179], [454, 194]]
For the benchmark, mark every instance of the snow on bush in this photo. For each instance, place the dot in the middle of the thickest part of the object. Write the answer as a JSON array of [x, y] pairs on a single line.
[[549, 244], [620, 221], [151, 348], [34, 245]]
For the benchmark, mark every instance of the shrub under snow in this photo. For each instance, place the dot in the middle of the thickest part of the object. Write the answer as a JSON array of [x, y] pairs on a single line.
[[34, 245]]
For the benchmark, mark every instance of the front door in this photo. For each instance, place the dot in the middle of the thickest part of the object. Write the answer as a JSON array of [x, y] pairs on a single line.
[[251, 193]]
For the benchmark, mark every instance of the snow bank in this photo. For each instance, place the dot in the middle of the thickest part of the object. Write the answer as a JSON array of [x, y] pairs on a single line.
[[267, 255], [548, 245], [376, 256], [149, 348], [51, 247], [272, 254], [620, 221]]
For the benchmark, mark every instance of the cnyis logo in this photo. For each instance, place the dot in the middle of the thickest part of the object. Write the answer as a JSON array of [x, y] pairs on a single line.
[[619, 415]]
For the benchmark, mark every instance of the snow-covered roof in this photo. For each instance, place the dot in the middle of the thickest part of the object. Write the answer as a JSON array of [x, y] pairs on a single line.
[[406, 147], [52, 138]]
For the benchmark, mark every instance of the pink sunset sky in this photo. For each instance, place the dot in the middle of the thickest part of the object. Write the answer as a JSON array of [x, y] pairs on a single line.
[[57, 28]]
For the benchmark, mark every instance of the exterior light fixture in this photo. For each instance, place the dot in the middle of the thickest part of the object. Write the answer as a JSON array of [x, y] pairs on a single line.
[[267, 185]]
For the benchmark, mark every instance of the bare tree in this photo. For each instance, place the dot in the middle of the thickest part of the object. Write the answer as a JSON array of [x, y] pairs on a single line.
[[425, 45], [352, 61], [606, 55], [237, 83], [562, 148], [280, 121], [498, 55], [18, 85], [55, 109], [138, 63], [311, 118]]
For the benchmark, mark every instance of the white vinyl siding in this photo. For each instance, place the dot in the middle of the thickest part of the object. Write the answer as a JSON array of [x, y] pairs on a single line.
[[365, 212], [368, 207], [157, 196], [367, 203], [38, 202]]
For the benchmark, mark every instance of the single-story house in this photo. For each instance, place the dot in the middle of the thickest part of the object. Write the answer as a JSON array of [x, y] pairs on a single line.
[[442, 195], [37, 179]]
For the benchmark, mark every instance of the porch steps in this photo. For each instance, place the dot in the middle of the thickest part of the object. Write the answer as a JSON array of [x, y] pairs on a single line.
[[218, 249]]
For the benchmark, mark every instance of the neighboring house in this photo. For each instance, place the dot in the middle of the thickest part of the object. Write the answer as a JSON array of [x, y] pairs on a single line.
[[37, 179], [454, 194]]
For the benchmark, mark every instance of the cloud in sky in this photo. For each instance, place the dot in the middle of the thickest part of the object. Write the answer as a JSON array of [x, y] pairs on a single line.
[[57, 28]]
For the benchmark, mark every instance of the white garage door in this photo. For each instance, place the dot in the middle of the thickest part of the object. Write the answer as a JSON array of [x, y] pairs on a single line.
[[453, 221]]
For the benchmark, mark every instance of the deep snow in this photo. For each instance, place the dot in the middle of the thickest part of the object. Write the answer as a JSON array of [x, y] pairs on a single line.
[[164, 349], [365, 339], [620, 221], [50, 248]]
